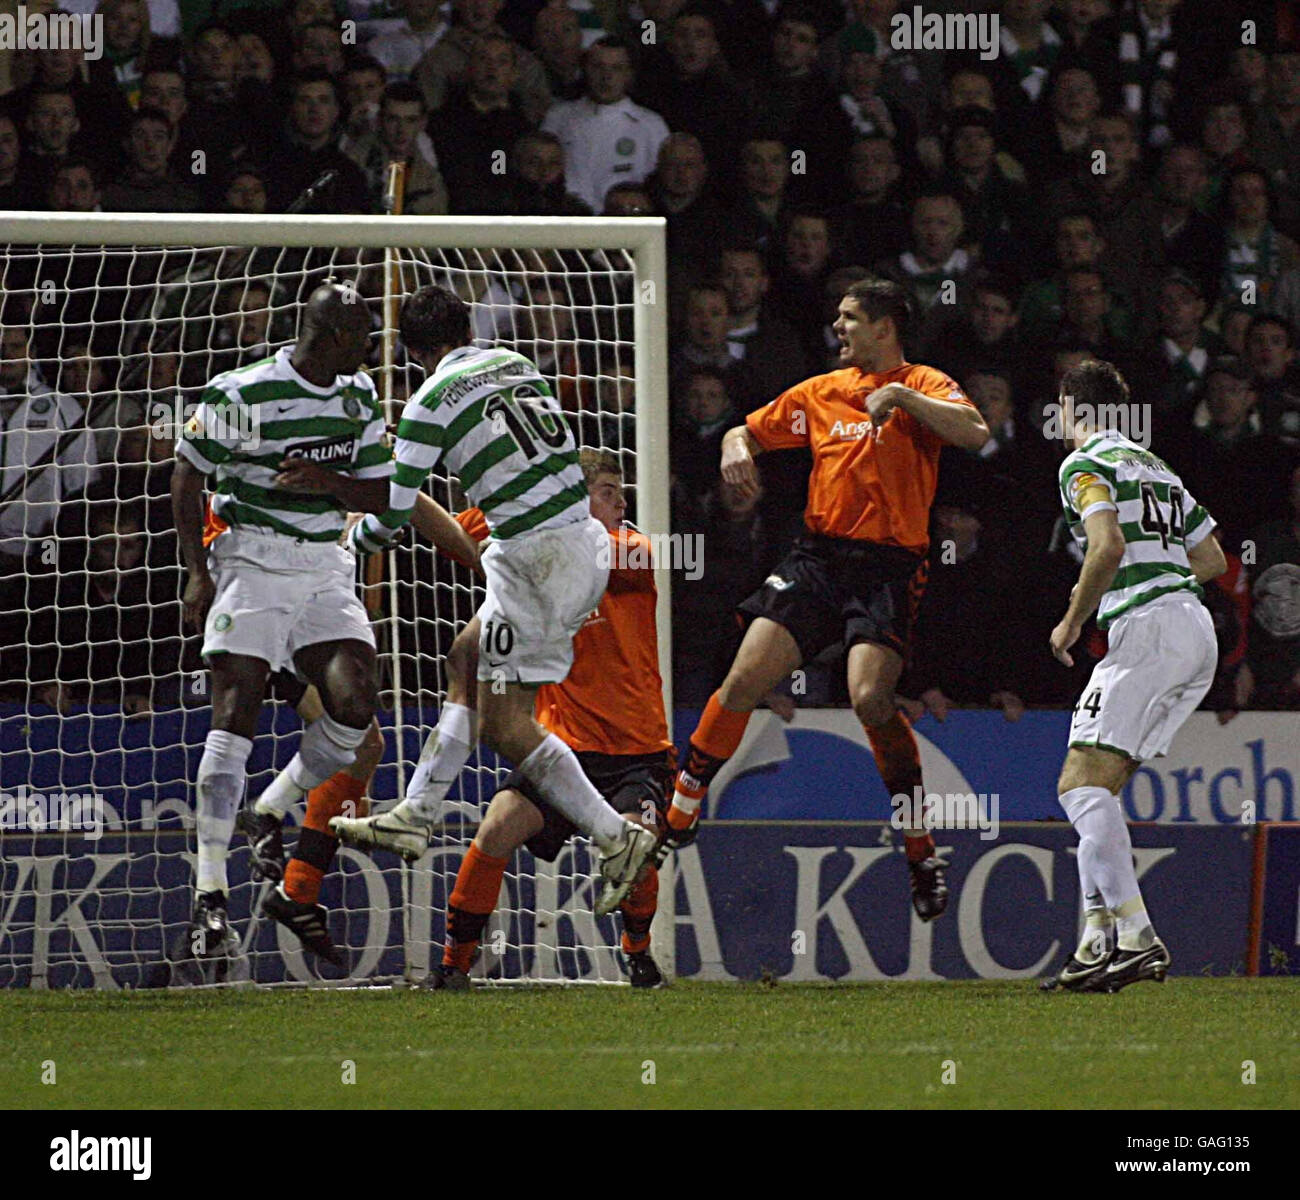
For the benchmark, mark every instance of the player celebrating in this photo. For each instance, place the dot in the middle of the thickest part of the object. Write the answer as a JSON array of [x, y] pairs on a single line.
[[277, 588], [609, 710], [875, 428], [1148, 552], [490, 417]]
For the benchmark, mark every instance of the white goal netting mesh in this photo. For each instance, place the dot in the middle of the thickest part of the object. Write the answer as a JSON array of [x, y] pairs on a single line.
[[103, 697]]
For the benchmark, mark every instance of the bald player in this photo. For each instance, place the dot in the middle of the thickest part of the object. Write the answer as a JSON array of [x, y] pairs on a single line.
[[288, 446]]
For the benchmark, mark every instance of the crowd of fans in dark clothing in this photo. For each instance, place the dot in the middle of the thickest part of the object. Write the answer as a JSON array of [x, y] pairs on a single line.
[[1120, 180]]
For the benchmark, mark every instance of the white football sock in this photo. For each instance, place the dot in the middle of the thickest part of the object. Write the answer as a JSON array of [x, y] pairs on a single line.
[[1098, 935], [1106, 857], [219, 789], [445, 752], [1133, 928], [553, 769], [327, 747]]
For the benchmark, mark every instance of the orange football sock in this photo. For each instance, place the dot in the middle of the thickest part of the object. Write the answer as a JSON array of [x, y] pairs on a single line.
[[714, 741], [638, 911], [898, 759], [478, 884], [316, 846]]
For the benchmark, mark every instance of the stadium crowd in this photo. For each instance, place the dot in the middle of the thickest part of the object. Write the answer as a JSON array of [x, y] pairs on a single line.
[[1121, 179]]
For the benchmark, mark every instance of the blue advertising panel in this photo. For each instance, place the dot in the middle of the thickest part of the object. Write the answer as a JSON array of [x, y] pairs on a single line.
[[1279, 916]]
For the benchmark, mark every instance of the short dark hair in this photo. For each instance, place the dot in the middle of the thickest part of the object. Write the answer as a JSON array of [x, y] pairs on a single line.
[[1261, 319], [997, 283], [149, 113], [364, 62], [404, 92], [433, 316], [884, 298], [1095, 382]]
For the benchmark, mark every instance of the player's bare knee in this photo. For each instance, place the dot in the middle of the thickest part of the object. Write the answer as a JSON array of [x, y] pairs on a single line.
[[873, 705]]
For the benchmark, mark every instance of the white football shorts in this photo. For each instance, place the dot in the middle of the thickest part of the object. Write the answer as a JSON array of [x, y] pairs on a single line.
[[275, 596], [1160, 663], [540, 589]]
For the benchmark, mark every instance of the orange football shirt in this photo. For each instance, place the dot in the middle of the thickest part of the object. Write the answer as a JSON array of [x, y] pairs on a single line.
[[613, 699], [213, 525], [873, 485]]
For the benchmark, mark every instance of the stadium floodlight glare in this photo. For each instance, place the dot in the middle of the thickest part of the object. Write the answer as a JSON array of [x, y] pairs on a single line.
[[156, 305]]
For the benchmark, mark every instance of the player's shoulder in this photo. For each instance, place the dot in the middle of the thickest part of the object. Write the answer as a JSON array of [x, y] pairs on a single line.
[[932, 381], [240, 383]]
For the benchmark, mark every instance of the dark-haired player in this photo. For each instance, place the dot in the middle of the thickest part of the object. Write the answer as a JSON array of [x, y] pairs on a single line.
[[1149, 550], [856, 574], [489, 417]]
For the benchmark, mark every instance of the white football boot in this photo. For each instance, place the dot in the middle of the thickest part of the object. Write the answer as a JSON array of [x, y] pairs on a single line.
[[620, 866], [393, 830]]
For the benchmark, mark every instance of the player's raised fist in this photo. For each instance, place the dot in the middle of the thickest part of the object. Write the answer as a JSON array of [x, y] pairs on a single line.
[[738, 466], [883, 401]]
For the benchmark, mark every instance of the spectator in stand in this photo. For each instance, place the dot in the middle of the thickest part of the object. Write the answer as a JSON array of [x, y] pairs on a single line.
[[985, 335], [1248, 75], [799, 280], [74, 187], [147, 185], [1225, 138], [935, 267], [129, 43], [1079, 246], [607, 138], [399, 50], [1275, 141], [767, 345], [52, 127], [1015, 451], [318, 50], [253, 59], [856, 110], [163, 88], [478, 117], [1226, 461], [46, 454], [702, 411], [705, 631], [15, 183], [996, 208], [309, 147], [558, 43], [1085, 309], [447, 66], [1058, 147], [1270, 353], [697, 91], [219, 103], [764, 178], [101, 106], [705, 345], [1154, 64], [1028, 52], [873, 223], [401, 137], [1271, 675], [1256, 252], [793, 82], [681, 193], [364, 81], [1171, 365], [1089, 39], [1123, 204], [628, 200], [537, 179], [546, 325], [1193, 241], [106, 627]]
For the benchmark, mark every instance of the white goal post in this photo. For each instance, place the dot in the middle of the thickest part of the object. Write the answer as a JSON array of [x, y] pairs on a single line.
[[198, 293]]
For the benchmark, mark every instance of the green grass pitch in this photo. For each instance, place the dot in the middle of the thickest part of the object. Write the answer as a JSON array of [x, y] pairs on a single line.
[[1177, 1045]]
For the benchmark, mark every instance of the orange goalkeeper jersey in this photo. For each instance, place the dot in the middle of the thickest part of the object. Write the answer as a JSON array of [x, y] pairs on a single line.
[[872, 485], [213, 525], [613, 699]]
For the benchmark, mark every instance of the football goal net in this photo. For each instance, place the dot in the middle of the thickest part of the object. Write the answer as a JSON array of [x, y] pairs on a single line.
[[111, 325]]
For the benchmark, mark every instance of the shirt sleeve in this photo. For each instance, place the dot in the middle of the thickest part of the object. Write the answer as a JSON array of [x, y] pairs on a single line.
[[1079, 483], [419, 448], [375, 455], [211, 436], [783, 424], [1197, 522]]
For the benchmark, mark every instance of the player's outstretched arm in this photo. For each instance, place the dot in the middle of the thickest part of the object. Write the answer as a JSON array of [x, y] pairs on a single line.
[[187, 512], [739, 449], [446, 533], [957, 424]]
